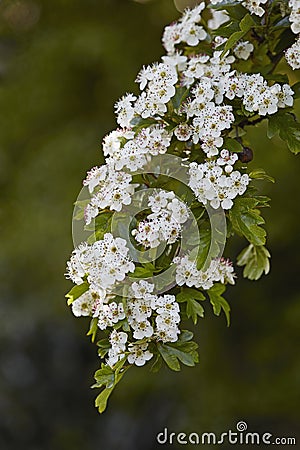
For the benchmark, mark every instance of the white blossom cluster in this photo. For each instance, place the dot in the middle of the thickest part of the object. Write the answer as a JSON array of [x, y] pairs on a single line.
[[102, 264], [165, 221], [216, 183], [186, 30], [220, 270], [112, 189], [158, 85], [292, 55], [137, 150], [150, 317]]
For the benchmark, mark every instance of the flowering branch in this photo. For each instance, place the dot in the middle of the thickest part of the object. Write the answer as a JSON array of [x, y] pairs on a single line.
[[175, 185]]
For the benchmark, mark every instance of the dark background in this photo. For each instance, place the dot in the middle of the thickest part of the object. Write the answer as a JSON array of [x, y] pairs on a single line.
[[63, 64]]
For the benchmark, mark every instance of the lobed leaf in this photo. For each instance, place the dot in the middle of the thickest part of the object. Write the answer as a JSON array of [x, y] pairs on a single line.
[[288, 128], [218, 302], [246, 220], [256, 261]]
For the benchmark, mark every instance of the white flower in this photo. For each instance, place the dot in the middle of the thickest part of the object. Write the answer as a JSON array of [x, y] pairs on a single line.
[[118, 340], [125, 110], [284, 95], [178, 210], [254, 6], [118, 347], [139, 354], [144, 76], [142, 329], [177, 59], [141, 289], [83, 306], [243, 50], [295, 16], [183, 132], [159, 200], [292, 55]]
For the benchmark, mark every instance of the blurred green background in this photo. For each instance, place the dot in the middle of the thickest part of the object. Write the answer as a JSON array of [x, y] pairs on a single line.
[[63, 64]]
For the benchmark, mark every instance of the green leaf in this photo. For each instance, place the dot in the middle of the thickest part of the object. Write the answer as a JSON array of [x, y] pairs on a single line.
[[193, 308], [288, 128], [189, 293], [218, 302], [104, 346], [246, 220], [76, 292], [80, 207], [142, 272], [182, 351], [287, 38], [180, 96], [234, 38], [156, 366], [256, 261], [246, 24], [260, 174], [105, 376], [186, 336], [101, 400], [227, 29], [138, 123], [93, 329], [168, 356], [232, 145], [296, 89], [100, 226]]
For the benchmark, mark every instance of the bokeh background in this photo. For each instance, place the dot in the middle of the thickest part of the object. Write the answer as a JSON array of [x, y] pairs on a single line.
[[63, 64]]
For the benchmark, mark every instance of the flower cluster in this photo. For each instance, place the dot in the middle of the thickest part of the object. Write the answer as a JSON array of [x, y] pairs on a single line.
[[113, 189], [216, 182], [149, 317], [165, 221], [158, 85], [219, 270], [293, 55], [185, 30], [137, 150], [102, 264], [152, 315]]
